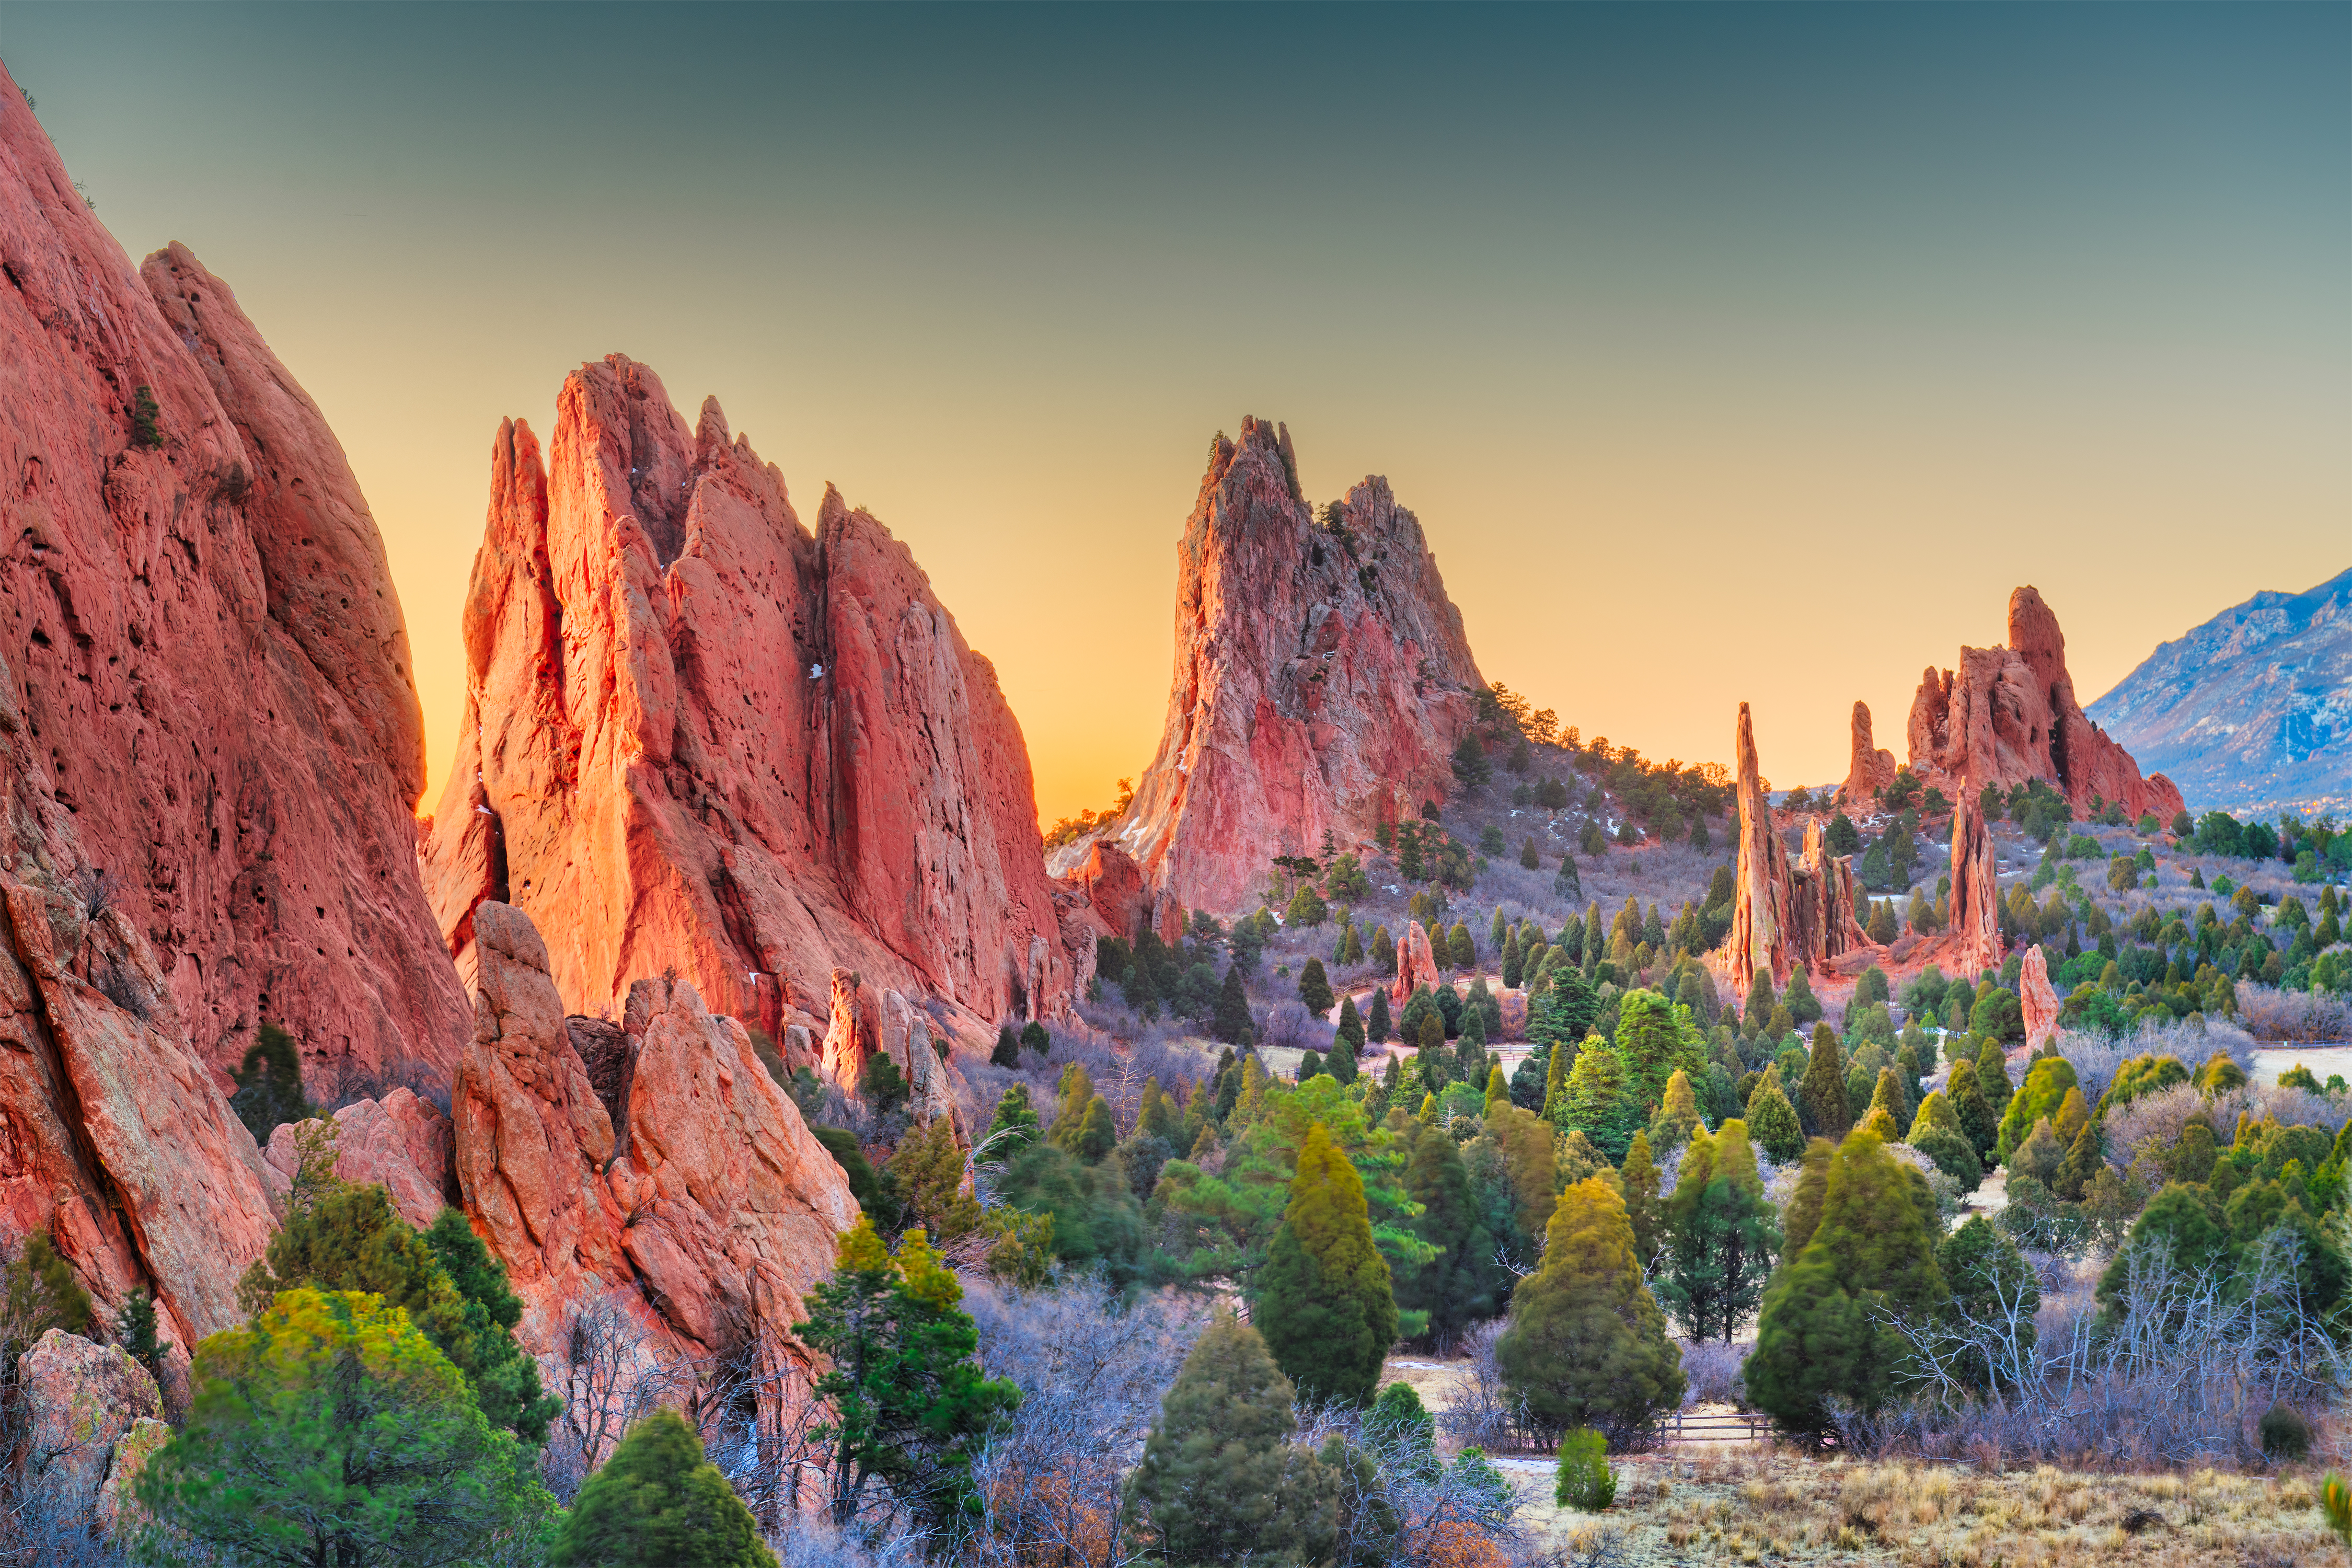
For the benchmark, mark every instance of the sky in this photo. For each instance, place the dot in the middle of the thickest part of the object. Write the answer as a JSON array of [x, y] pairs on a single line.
[[1726, 354]]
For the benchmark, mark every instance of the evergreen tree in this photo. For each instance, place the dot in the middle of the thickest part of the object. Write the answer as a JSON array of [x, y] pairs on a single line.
[[1035, 1040], [1885, 1116], [1804, 1212], [1498, 931], [908, 1405], [1993, 1077], [1978, 1123], [269, 1084], [1594, 1099], [2083, 1162], [1677, 1118], [1323, 1297], [1721, 1235], [1586, 1344], [1315, 988], [1822, 1094], [1013, 1127], [1384, 959], [658, 1503], [1823, 1331], [1461, 951], [1638, 1177], [1773, 1120], [135, 1330], [1655, 1044], [1990, 1283], [1007, 1053], [1555, 1068], [1349, 1033], [1459, 1285], [1378, 1029], [1220, 1483], [1232, 1023], [1513, 962], [2042, 1095]]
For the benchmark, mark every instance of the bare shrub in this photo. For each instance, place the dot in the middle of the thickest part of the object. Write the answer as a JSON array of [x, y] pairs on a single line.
[[1091, 1372], [2297, 1017], [1479, 1409], [2177, 1376], [1711, 1371]]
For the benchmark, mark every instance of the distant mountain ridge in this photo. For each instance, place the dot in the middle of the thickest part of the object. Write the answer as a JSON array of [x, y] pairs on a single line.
[[2252, 711]]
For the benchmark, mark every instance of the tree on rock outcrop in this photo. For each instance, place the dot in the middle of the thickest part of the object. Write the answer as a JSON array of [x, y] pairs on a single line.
[[659, 1503], [1323, 1300], [1586, 1344]]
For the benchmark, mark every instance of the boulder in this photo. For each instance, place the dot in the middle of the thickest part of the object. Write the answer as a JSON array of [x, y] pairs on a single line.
[[118, 1505], [1322, 679], [706, 1210], [710, 740], [2008, 714], [2038, 998], [1416, 964], [400, 1143], [80, 1401], [1869, 768]]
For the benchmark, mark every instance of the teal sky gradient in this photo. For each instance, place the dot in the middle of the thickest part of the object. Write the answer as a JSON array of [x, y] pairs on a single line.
[[1748, 352]]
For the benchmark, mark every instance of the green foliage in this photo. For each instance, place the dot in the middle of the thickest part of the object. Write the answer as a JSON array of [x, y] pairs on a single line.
[[1586, 1483], [1220, 1483], [135, 1330], [330, 1430], [1315, 988], [40, 1294], [1231, 1021], [1988, 1278], [1035, 1038], [2044, 1091], [269, 1084], [907, 1406], [1012, 1128], [1821, 1098], [1821, 1330], [1092, 1207], [659, 1503], [1471, 768], [505, 1377], [1721, 1235], [2286, 1433], [1586, 1344], [144, 431], [1007, 1052], [1637, 1181], [865, 1186], [882, 1086], [1399, 1424], [1324, 1300], [1460, 1283], [1772, 1120]]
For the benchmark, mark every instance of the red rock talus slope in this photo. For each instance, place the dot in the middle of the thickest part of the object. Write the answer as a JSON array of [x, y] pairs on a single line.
[[209, 750], [699, 736], [1322, 679], [2008, 714], [1787, 917]]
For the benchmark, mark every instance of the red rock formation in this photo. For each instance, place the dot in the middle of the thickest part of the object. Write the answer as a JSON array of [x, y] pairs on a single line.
[[1416, 964], [400, 1144], [2040, 1000], [2008, 714], [1322, 678], [1870, 768], [700, 737], [685, 1187], [1976, 893], [1783, 917], [77, 1400], [211, 656]]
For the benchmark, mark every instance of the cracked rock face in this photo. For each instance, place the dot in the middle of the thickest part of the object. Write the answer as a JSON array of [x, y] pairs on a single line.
[[2008, 714], [696, 1197], [1322, 679], [702, 738]]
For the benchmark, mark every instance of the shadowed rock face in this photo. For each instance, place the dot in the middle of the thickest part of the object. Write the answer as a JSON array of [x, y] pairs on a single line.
[[2008, 714], [700, 737], [205, 695], [1322, 680]]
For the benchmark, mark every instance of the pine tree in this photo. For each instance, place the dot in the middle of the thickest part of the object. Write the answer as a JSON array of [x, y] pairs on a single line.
[[1384, 959], [1498, 931], [1595, 1100], [1514, 969], [1232, 1022], [1350, 1031], [135, 1330], [1677, 1118], [1586, 1344], [1721, 1235], [1015, 1123], [1378, 1029], [1323, 1297], [1978, 1122], [1007, 1053], [1639, 1176], [2083, 1162], [1460, 1284], [1991, 1282], [1220, 1483], [658, 1503], [1773, 1120], [1992, 1076], [1461, 951], [1823, 1331], [1556, 1082], [1498, 1088], [1822, 1094], [269, 1084], [1803, 1213], [1885, 1116], [1315, 988]]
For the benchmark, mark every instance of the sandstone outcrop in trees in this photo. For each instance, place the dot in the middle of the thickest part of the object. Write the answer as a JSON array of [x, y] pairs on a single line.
[[672, 1175], [209, 750], [1871, 767], [2008, 714], [700, 736], [1416, 964], [1322, 679], [1976, 893], [1784, 918], [2038, 998]]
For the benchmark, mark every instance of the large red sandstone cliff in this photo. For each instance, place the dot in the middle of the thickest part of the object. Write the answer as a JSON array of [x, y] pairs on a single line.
[[209, 750], [2008, 714], [1322, 679], [700, 737]]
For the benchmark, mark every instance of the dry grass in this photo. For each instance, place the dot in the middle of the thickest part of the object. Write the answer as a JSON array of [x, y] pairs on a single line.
[[1761, 1505]]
